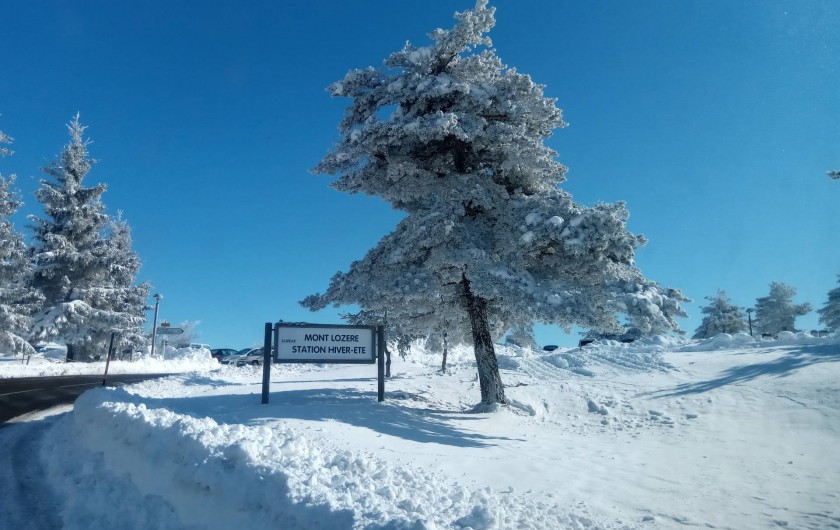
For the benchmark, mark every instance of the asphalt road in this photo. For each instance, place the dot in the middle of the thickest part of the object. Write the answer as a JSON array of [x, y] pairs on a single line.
[[23, 395]]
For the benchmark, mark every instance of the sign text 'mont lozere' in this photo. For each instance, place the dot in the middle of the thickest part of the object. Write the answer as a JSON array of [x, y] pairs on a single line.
[[332, 348]]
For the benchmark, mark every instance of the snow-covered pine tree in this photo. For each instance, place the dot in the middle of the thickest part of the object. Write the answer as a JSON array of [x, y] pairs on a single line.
[[776, 312], [722, 316], [454, 138], [830, 312], [84, 280], [18, 300], [394, 331]]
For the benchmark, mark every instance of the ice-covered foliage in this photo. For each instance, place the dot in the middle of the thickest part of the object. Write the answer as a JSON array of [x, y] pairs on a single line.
[[18, 300], [523, 337], [84, 265], [5, 139], [453, 137], [776, 312], [721, 316], [830, 312]]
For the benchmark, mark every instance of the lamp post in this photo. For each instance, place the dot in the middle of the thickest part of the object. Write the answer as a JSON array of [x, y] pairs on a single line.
[[158, 297], [749, 319]]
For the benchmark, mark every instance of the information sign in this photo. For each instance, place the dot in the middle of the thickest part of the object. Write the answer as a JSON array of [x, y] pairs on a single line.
[[318, 343]]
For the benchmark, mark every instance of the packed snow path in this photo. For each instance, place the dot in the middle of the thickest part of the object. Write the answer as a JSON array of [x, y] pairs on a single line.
[[719, 434]]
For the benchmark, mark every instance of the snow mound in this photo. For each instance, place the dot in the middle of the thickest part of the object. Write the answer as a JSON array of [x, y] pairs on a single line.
[[642, 355], [460, 355], [725, 341], [786, 336], [178, 471]]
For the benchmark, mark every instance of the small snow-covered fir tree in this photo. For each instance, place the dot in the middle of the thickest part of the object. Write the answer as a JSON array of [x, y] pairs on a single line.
[[776, 312], [84, 272], [18, 300], [722, 316], [830, 312], [453, 137]]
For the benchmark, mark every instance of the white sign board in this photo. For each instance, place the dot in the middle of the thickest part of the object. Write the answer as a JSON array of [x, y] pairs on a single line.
[[313, 343]]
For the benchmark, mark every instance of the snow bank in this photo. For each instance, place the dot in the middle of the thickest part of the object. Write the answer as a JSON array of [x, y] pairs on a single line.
[[460, 355], [644, 355], [721, 440], [39, 365], [725, 341], [168, 470]]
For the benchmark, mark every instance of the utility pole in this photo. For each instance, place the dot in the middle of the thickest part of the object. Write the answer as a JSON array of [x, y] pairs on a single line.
[[158, 297]]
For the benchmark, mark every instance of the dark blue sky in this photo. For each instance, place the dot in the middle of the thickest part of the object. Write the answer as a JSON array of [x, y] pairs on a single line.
[[716, 121]]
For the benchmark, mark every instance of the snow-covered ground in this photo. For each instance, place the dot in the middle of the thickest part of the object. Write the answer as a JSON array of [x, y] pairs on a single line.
[[51, 362], [726, 433]]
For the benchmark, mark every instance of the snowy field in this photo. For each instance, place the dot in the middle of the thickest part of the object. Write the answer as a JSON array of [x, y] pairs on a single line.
[[726, 433]]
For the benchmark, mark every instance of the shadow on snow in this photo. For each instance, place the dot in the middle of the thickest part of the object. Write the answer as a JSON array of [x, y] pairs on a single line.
[[353, 407], [782, 366]]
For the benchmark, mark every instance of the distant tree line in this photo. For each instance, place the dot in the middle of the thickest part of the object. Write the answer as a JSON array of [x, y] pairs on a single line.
[[774, 313], [75, 282]]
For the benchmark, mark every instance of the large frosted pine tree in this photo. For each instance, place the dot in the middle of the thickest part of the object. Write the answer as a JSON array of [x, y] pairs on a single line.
[[454, 138], [830, 312], [18, 300], [83, 265], [721, 316], [776, 312]]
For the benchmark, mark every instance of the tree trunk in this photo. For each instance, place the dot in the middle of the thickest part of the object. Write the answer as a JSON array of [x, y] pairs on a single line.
[[73, 353], [80, 352], [445, 352], [492, 389]]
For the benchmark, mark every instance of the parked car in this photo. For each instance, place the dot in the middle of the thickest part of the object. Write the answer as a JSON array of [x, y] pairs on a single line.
[[252, 356], [220, 353], [194, 346]]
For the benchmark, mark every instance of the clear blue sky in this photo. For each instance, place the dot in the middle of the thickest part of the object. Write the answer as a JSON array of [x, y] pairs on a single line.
[[716, 121]]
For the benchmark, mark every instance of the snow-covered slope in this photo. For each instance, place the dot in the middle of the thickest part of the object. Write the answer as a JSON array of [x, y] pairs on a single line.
[[728, 433]]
